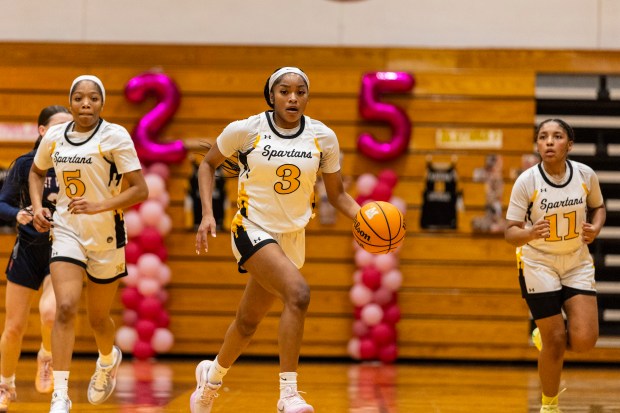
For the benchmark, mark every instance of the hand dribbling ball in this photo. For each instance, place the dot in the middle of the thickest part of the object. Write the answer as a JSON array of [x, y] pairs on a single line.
[[379, 227]]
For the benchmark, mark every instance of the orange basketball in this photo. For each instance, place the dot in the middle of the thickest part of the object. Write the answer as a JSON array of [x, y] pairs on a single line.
[[379, 227]]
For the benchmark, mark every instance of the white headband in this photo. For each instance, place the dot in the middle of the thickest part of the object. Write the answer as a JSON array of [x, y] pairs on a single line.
[[286, 70], [93, 79]]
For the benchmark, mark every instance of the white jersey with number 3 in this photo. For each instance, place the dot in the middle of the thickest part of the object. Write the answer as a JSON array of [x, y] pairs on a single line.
[[89, 165], [563, 203], [279, 168]]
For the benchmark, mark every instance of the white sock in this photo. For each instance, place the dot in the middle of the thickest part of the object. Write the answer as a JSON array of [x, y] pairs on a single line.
[[9, 381], [287, 379], [216, 373], [61, 382], [45, 352], [106, 359]]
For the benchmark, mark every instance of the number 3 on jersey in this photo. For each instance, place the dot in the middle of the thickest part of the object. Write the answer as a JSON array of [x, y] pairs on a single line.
[[289, 174], [73, 185], [553, 227]]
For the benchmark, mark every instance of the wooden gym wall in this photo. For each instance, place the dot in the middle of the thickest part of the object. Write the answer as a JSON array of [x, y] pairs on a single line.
[[460, 298]]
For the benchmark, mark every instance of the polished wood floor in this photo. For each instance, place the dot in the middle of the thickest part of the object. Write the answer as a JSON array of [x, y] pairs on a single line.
[[251, 386]]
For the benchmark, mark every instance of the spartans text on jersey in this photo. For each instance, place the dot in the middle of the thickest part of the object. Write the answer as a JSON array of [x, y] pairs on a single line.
[[71, 159], [269, 153], [546, 205]]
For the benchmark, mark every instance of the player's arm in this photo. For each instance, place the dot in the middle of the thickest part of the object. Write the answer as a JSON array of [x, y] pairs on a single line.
[[337, 196], [517, 234], [136, 192], [206, 177], [36, 181], [596, 220]]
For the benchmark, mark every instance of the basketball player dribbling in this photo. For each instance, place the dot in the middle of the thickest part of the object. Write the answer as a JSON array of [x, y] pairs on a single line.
[[556, 209], [279, 154]]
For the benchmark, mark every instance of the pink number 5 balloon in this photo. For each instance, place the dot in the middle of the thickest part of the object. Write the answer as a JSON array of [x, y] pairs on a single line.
[[146, 131], [373, 84]]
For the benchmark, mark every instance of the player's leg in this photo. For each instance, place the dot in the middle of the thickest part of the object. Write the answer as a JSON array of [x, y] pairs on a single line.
[[105, 268], [67, 280], [44, 382], [254, 305], [582, 322], [17, 307]]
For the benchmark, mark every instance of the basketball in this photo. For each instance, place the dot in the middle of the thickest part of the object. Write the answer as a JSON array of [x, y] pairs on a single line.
[[379, 227]]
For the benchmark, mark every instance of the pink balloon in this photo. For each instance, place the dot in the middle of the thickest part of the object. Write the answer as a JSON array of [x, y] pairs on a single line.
[[388, 354], [142, 350], [147, 130], [133, 250], [371, 277], [399, 203], [131, 279], [149, 308], [162, 340], [368, 349], [382, 296], [357, 277], [165, 274], [164, 225], [155, 184], [353, 348], [383, 334], [162, 253], [363, 258], [133, 223], [161, 169], [163, 319], [372, 314], [131, 298], [126, 338], [150, 239], [382, 192], [392, 280], [149, 286], [386, 262], [365, 184], [357, 312], [164, 199], [151, 212], [149, 265], [388, 177], [372, 109], [163, 296], [360, 295], [145, 329], [359, 328], [391, 314], [130, 317]]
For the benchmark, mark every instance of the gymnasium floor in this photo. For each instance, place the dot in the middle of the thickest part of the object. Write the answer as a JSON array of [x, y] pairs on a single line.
[[336, 387]]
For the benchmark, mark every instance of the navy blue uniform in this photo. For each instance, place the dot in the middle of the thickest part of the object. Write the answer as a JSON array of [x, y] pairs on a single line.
[[29, 262]]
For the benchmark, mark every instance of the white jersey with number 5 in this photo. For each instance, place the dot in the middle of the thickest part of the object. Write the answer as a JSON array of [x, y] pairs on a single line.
[[564, 203], [89, 165], [279, 168]]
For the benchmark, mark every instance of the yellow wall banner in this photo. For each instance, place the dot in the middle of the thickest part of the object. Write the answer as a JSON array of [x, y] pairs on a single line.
[[453, 138]]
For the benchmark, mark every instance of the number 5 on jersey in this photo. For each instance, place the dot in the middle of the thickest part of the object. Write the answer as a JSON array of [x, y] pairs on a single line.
[[73, 185]]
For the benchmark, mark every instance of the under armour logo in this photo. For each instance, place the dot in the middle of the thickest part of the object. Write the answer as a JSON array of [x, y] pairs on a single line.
[[543, 189], [257, 240]]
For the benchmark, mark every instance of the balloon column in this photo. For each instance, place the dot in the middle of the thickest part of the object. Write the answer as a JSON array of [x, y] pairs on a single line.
[[145, 331], [376, 282]]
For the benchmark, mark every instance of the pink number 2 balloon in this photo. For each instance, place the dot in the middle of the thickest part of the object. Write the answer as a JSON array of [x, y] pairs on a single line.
[[371, 108], [146, 131]]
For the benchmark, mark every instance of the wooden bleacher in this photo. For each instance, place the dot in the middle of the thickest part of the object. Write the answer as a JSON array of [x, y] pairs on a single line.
[[460, 298]]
